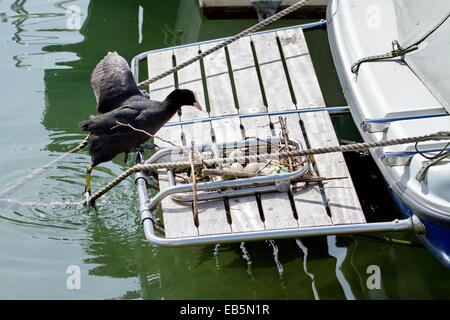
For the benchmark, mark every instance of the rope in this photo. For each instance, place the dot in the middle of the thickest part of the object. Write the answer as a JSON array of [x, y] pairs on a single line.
[[225, 43], [39, 170], [443, 135], [397, 50]]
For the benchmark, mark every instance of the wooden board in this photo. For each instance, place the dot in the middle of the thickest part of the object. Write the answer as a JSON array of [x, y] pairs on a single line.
[[248, 90], [342, 199], [220, 92], [257, 88], [308, 202], [243, 9], [178, 219], [212, 217]]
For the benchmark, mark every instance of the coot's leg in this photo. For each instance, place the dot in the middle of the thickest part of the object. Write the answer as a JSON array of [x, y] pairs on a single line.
[[125, 159], [87, 188]]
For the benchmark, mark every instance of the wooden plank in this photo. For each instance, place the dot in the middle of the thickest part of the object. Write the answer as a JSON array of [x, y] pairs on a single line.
[[220, 92], [248, 90], [276, 206], [308, 202], [178, 219], [158, 63], [301, 71], [244, 211], [190, 78], [273, 77], [342, 198], [211, 214]]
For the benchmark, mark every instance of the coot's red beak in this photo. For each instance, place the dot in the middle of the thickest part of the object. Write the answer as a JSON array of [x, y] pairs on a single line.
[[198, 106]]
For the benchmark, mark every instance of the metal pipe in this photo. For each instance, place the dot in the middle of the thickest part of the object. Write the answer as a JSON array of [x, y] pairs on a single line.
[[249, 143], [154, 202], [223, 194], [331, 110], [397, 225], [395, 119], [147, 217]]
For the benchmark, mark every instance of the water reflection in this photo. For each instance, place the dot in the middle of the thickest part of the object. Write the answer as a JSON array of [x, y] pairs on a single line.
[[111, 240]]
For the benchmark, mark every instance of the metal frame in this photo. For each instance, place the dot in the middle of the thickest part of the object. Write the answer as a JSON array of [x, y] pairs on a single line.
[[147, 207], [143, 56], [258, 184]]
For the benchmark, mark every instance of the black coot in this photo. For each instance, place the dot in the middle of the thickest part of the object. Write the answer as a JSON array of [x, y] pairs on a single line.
[[120, 100]]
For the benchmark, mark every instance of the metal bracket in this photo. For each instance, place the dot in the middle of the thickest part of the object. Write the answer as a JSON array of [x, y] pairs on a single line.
[[150, 181], [283, 185], [393, 161], [374, 126], [418, 226]]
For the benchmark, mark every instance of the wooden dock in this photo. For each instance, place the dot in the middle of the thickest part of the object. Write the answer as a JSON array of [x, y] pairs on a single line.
[[267, 72], [243, 9]]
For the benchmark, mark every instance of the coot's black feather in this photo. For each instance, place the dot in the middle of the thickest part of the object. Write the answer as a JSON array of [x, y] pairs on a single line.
[[113, 82], [107, 139]]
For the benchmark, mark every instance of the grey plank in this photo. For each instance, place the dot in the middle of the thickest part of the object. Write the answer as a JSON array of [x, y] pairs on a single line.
[[308, 202], [211, 214], [341, 194], [178, 219], [220, 91], [342, 198], [246, 81], [272, 73], [158, 63], [243, 210], [301, 71], [190, 78]]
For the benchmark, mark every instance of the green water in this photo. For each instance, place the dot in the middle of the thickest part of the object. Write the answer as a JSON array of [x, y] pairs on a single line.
[[44, 85]]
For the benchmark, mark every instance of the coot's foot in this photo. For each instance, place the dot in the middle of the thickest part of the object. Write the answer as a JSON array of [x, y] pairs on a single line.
[[87, 196], [89, 202]]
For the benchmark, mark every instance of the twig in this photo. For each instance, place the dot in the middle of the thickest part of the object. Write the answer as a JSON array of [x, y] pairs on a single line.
[[194, 181], [183, 177], [265, 166], [284, 133], [145, 132], [316, 179], [237, 174]]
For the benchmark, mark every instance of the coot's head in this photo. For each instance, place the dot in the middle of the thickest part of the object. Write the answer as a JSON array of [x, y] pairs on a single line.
[[183, 97]]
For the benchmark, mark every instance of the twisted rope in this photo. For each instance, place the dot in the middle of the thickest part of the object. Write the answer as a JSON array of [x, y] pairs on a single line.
[[41, 169], [443, 135], [397, 50], [225, 43]]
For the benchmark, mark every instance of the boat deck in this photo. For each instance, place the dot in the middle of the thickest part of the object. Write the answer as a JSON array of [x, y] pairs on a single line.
[[243, 9], [262, 73]]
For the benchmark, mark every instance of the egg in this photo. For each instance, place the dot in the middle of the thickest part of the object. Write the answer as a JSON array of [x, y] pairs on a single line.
[[236, 167], [253, 167]]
